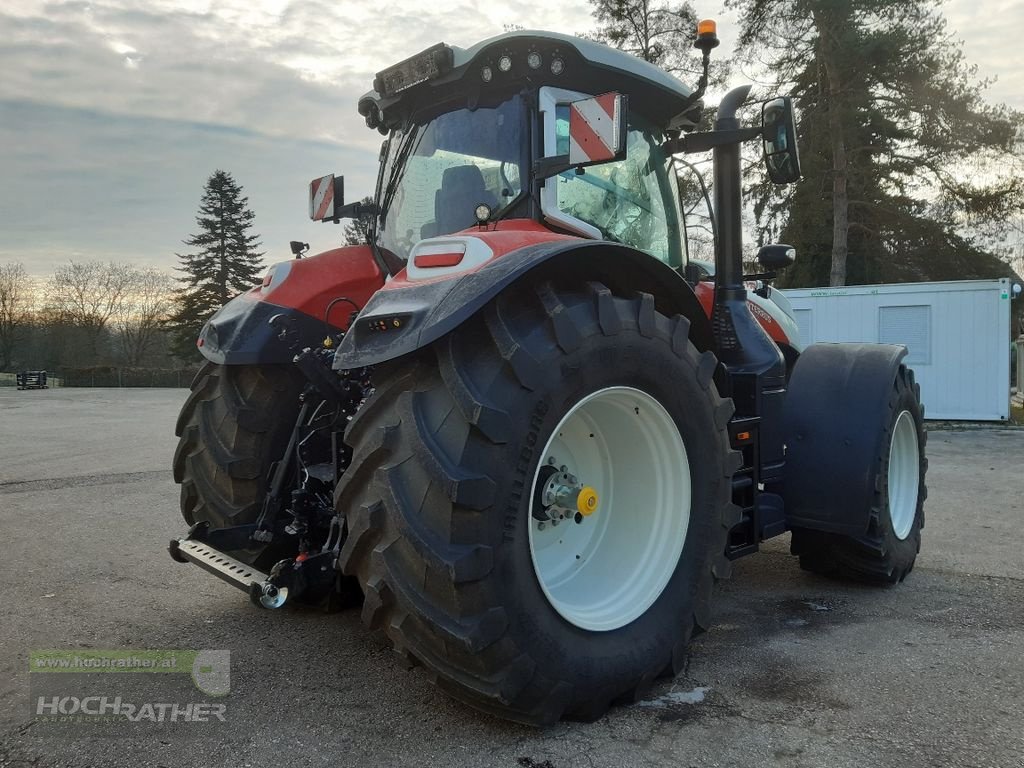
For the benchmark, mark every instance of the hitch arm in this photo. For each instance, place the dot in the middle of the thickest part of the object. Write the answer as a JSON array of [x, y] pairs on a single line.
[[274, 502]]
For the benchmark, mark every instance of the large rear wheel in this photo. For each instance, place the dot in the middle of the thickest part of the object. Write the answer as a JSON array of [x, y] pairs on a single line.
[[538, 505]]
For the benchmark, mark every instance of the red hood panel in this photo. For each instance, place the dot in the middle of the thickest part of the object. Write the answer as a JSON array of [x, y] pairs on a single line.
[[313, 282]]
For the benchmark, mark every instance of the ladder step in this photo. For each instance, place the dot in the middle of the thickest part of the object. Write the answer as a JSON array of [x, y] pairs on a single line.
[[233, 571]]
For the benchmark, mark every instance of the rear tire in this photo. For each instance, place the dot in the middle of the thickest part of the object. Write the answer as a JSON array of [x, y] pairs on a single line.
[[886, 553], [441, 487], [234, 425]]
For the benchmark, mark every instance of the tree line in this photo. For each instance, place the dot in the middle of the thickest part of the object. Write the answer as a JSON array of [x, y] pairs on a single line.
[[92, 313], [86, 313]]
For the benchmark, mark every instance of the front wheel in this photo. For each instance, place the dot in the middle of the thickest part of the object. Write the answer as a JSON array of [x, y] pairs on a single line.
[[886, 553], [538, 505]]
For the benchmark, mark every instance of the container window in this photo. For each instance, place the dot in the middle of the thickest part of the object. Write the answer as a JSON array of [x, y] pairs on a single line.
[[910, 326]]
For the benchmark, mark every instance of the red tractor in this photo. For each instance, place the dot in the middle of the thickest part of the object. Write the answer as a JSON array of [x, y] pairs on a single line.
[[517, 423]]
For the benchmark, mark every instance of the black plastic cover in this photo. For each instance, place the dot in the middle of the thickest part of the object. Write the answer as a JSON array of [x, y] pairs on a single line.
[[836, 420], [239, 333]]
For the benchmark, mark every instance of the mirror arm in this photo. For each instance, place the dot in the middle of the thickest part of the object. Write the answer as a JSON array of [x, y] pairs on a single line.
[[702, 142], [353, 211], [547, 167]]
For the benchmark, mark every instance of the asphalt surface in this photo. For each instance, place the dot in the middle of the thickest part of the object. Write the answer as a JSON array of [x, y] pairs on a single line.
[[798, 670]]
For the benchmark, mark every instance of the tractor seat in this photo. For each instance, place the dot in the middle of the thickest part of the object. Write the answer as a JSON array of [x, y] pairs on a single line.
[[462, 190]]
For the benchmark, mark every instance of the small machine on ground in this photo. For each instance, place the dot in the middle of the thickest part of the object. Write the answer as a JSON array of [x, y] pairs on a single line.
[[31, 380], [518, 425]]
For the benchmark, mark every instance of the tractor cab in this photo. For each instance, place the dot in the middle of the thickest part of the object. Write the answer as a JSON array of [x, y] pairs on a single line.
[[484, 134]]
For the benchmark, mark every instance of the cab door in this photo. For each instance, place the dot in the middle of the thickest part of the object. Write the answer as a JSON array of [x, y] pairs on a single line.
[[634, 201]]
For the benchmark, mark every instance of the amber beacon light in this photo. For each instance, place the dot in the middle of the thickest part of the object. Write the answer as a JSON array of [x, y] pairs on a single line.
[[707, 34]]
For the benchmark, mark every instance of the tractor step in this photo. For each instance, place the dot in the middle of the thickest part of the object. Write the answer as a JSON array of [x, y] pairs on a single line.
[[310, 576], [234, 572]]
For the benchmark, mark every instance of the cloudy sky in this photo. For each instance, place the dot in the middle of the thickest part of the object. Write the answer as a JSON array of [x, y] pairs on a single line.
[[113, 113]]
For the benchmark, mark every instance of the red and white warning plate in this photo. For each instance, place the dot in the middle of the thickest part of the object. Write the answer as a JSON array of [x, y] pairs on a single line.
[[595, 129], [321, 198]]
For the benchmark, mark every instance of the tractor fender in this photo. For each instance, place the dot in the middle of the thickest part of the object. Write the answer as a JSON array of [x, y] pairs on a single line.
[[835, 422], [401, 320], [301, 291]]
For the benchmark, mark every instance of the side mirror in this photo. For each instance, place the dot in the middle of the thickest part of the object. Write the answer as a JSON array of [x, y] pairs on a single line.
[[779, 132], [774, 257], [326, 197], [597, 129]]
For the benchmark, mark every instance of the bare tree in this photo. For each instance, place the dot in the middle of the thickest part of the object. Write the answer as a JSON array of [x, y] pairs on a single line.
[[15, 307], [659, 31], [88, 294], [144, 308]]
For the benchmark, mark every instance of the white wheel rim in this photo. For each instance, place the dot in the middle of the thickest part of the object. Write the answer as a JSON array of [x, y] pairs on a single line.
[[904, 475], [607, 570]]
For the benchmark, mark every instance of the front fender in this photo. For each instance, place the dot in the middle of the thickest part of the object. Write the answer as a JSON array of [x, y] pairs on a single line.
[[302, 290], [836, 419], [399, 321]]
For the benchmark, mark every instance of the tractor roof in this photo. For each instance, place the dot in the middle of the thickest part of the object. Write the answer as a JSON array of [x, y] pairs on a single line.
[[445, 72], [596, 54]]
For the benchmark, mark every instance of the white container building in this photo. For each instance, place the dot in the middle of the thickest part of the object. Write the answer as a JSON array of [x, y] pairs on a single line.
[[957, 336]]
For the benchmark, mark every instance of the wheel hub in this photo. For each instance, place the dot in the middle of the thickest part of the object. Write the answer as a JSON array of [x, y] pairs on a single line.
[[586, 501], [561, 495]]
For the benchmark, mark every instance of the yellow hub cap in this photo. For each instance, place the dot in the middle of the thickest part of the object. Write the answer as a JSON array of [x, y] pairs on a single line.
[[586, 502]]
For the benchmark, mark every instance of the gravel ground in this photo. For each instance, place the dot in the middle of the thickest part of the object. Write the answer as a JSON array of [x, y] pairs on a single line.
[[798, 670]]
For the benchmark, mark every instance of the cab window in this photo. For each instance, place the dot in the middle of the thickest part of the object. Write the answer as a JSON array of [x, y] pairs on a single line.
[[625, 200]]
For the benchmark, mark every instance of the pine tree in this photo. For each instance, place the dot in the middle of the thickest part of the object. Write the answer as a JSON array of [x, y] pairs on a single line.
[[899, 149], [224, 261]]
